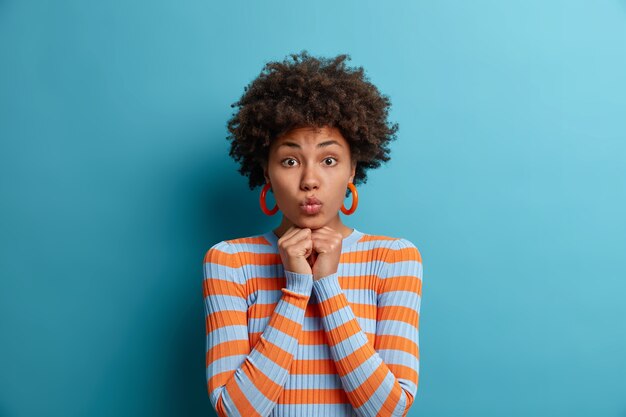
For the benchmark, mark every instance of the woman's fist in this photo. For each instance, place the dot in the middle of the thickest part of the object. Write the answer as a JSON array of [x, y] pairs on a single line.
[[314, 252], [295, 246], [327, 244]]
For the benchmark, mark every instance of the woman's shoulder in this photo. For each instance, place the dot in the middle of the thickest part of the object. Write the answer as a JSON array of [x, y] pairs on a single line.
[[393, 245], [396, 242], [254, 243], [225, 261]]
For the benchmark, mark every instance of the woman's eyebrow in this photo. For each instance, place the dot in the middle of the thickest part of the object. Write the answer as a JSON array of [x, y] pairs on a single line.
[[319, 145]]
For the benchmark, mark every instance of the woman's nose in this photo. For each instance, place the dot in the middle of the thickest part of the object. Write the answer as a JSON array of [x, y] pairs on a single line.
[[309, 179]]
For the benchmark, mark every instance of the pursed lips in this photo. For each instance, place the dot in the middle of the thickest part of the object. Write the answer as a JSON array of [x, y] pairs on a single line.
[[310, 201]]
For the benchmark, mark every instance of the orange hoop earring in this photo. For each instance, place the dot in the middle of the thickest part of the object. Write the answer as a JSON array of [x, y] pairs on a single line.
[[264, 204], [355, 200]]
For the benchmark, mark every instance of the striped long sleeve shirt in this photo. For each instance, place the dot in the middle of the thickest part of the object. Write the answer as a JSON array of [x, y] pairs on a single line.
[[279, 343]]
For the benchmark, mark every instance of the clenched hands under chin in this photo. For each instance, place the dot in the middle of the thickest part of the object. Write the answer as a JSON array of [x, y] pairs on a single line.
[[307, 251]]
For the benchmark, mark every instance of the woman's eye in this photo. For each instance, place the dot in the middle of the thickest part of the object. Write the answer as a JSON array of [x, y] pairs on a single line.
[[330, 158], [288, 159]]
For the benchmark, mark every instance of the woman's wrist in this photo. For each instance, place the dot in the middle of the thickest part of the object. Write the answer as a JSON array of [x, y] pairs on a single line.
[[298, 282]]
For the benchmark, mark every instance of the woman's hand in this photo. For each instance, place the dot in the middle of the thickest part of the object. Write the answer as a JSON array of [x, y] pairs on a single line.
[[327, 244], [295, 246]]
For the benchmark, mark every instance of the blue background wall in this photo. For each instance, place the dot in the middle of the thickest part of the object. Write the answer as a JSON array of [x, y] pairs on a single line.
[[509, 168]]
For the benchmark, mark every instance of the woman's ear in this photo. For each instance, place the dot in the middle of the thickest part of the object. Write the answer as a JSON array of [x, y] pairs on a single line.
[[266, 173], [353, 172]]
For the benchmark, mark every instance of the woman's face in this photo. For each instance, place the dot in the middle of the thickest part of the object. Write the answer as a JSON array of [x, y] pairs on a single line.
[[308, 162]]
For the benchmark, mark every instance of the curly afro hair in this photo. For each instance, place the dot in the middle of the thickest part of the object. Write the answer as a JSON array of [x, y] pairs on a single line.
[[315, 92]]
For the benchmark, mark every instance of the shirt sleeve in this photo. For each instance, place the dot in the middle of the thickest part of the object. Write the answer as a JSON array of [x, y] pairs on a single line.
[[379, 380], [245, 381]]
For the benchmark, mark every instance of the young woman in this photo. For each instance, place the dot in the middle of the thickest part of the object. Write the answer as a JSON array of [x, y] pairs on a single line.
[[312, 318]]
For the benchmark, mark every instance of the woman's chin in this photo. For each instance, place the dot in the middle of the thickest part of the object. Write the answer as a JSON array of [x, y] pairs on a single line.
[[310, 223]]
